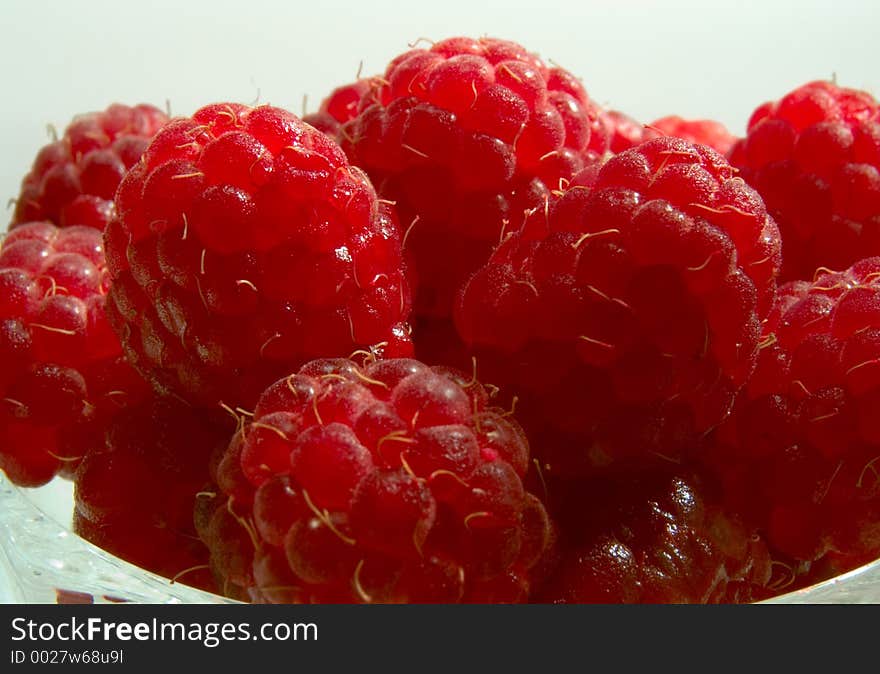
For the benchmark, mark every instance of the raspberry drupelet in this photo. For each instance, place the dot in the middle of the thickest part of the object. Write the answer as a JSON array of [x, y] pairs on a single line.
[[464, 136], [626, 313], [652, 536], [384, 483], [800, 455], [245, 245], [814, 155], [61, 366], [135, 490], [73, 179]]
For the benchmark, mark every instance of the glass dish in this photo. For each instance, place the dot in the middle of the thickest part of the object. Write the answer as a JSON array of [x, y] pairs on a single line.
[[43, 561]]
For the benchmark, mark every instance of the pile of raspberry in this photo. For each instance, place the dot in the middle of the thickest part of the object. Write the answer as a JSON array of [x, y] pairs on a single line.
[[460, 335]]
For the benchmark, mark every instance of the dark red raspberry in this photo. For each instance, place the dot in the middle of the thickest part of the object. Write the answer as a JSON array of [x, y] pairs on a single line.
[[73, 180], [814, 156], [625, 132], [136, 490], [339, 107], [626, 313], [801, 453], [655, 536], [60, 363], [392, 482], [245, 245], [464, 136]]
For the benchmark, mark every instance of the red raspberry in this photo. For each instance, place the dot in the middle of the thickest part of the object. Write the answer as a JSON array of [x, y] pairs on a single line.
[[626, 314], [814, 156], [393, 482], [60, 363], [625, 132], [73, 180], [136, 490], [245, 245], [339, 107], [464, 137], [800, 454], [655, 536], [703, 131]]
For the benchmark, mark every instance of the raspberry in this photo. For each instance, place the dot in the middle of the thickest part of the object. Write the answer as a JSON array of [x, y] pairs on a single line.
[[245, 245], [136, 490], [392, 482], [60, 364], [703, 131], [339, 107], [626, 314], [799, 455], [73, 180], [655, 536], [814, 156], [464, 136], [625, 132]]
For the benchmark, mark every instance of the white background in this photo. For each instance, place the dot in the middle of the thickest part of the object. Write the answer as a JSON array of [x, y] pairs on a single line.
[[697, 59]]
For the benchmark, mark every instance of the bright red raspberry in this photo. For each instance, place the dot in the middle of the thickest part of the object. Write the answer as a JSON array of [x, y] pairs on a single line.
[[800, 454], [60, 363], [814, 156], [137, 488], [245, 245], [73, 180], [339, 107], [703, 131], [626, 314], [393, 482], [655, 536], [625, 132], [464, 136]]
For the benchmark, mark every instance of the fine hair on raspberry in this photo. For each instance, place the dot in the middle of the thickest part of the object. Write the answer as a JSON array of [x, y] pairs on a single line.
[[386, 482], [465, 135], [814, 155], [799, 456], [62, 365], [245, 245], [626, 313], [73, 179]]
